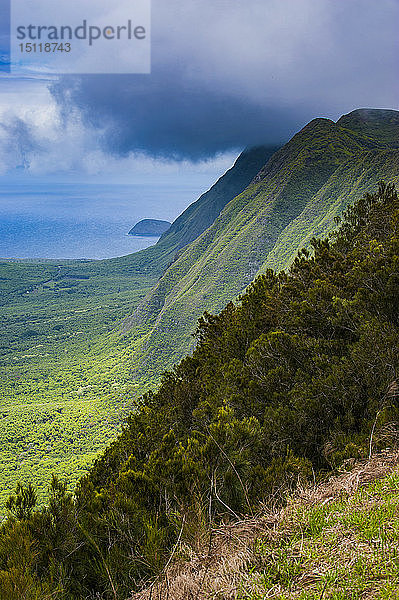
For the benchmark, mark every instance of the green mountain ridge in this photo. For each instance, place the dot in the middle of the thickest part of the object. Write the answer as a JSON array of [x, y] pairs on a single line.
[[380, 124], [197, 217], [297, 195], [201, 214], [70, 377], [282, 385]]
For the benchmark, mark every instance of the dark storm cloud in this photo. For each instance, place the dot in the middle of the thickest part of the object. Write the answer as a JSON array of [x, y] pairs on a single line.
[[227, 74], [163, 117]]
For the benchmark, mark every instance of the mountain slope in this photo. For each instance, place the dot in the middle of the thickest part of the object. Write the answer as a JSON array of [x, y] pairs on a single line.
[[380, 124], [295, 196], [197, 217], [201, 214]]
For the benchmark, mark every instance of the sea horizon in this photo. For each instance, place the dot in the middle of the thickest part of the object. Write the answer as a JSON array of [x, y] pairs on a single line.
[[83, 221]]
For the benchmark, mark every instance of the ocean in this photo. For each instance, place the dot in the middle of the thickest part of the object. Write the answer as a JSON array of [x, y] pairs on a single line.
[[83, 220]]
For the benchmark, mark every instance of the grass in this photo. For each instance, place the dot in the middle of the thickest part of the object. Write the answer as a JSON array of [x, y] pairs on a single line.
[[345, 548], [338, 540]]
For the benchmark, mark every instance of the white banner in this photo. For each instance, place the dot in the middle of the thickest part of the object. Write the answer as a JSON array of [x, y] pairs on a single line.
[[81, 36]]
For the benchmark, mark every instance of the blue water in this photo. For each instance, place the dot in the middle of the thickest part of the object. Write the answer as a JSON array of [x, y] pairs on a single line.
[[83, 221]]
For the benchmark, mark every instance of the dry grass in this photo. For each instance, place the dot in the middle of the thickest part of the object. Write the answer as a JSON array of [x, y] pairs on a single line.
[[309, 549]]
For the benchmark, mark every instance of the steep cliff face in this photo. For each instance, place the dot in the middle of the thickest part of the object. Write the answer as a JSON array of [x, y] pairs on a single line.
[[201, 214], [197, 217], [295, 196]]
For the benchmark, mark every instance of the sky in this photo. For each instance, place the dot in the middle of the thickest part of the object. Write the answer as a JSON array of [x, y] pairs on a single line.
[[226, 74]]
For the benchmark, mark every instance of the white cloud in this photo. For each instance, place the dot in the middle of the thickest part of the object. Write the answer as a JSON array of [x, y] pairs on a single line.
[[36, 135]]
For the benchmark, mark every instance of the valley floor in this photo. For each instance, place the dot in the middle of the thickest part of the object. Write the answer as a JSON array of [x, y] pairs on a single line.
[[64, 388]]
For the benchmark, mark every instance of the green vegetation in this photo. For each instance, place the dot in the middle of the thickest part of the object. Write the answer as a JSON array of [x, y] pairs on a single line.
[[377, 123], [201, 214], [70, 377], [295, 197], [285, 383], [346, 548], [282, 386], [64, 391], [67, 381], [333, 540]]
